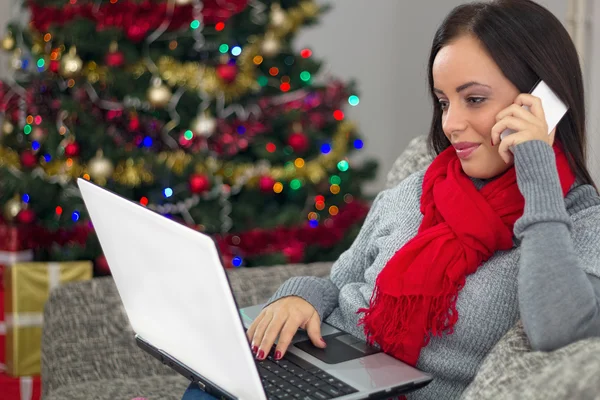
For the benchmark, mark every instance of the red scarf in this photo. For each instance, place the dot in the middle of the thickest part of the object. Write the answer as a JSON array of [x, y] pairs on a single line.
[[415, 293]]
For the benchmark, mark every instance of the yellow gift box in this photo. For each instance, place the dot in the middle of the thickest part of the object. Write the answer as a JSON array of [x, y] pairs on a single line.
[[27, 287]]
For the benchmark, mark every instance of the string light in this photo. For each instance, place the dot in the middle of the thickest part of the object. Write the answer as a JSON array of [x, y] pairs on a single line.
[[313, 216], [144, 201], [195, 24], [305, 53], [343, 165], [47, 37], [236, 262], [333, 210], [25, 198], [335, 189], [236, 51], [257, 60], [147, 141], [58, 210], [41, 63], [320, 205], [278, 187], [219, 26], [338, 115], [38, 120], [29, 119], [348, 198], [295, 184], [271, 147], [353, 100], [188, 135], [27, 129], [305, 76], [314, 223], [173, 44], [319, 198], [35, 145], [273, 71], [168, 192], [241, 129], [358, 144], [224, 48], [47, 157], [75, 216], [285, 87], [86, 177], [325, 148], [69, 162], [262, 80], [335, 180], [299, 162]]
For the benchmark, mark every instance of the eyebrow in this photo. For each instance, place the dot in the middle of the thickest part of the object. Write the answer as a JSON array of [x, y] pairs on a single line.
[[463, 87]]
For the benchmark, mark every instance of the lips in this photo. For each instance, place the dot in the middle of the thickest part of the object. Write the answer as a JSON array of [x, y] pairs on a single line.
[[465, 149], [465, 145]]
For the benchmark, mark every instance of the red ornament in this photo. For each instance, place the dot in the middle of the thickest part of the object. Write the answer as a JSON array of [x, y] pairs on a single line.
[[266, 183], [294, 252], [299, 142], [227, 72], [134, 123], [115, 59], [199, 183], [72, 149], [28, 159], [136, 32], [54, 66], [26, 216], [101, 265]]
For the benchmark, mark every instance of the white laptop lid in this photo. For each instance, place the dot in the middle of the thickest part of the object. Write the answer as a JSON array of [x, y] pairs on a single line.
[[174, 290]]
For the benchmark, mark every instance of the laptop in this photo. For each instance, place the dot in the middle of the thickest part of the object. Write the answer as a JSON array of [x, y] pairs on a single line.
[[178, 299]]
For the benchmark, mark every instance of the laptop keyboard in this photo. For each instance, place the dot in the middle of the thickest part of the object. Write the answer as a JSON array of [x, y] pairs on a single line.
[[294, 378]]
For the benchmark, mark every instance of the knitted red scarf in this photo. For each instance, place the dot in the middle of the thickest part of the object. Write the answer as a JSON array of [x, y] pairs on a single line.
[[415, 293]]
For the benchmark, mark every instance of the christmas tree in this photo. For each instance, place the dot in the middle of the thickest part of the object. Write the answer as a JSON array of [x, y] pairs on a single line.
[[199, 110]]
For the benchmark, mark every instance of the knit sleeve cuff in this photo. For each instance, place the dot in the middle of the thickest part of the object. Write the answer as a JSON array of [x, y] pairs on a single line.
[[538, 181], [321, 293]]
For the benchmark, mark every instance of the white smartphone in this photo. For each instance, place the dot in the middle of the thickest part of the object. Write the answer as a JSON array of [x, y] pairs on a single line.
[[554, 108]]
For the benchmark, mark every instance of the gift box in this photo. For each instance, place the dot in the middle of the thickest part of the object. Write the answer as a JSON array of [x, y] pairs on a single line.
[[23, 388], [27, 287]]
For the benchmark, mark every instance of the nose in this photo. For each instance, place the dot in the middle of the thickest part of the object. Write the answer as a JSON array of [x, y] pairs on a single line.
[[454, 119]]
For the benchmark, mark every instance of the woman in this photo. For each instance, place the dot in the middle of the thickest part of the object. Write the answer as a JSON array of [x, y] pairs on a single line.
[[507, 229]]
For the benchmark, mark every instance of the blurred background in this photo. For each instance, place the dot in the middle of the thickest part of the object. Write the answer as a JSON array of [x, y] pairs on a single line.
[[384, 45]]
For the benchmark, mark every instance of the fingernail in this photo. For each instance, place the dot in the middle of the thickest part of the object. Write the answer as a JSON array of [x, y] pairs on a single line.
[[254, 349], [278, 355], [492, 142], [261, 355], [324, 342]]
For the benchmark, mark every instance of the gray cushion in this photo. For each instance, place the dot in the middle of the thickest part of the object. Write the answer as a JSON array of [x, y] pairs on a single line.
[[513, 371]]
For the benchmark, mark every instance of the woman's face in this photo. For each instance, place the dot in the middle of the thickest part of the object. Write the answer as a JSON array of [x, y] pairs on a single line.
[[472, 90]]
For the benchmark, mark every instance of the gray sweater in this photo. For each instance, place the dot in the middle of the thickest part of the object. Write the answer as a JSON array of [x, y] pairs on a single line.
[[549, 279]]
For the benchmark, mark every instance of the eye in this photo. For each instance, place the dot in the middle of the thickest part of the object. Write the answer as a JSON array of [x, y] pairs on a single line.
[[476, 100], [443, 104]]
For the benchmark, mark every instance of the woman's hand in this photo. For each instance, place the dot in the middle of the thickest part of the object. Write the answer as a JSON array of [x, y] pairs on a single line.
[[528, 124], [283, 318]]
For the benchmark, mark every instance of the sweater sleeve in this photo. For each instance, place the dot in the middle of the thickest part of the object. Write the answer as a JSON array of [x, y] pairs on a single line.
[[322, 293], [558, 285]]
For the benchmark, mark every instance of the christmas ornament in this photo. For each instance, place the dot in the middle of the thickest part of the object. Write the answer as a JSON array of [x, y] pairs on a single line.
[[270, 46], [265, 184], [72, 149], [227, 72], [183, 2], [16, 62], [137, 32], [54, 66], [71, 64], [7, 127], [100, 168], [159, 94], [298, 142], [134, 123], [204, 125], [12, 208], [279, 18], [199, 183], [114, 58], [8, 42], [25, 216], [28, 159]]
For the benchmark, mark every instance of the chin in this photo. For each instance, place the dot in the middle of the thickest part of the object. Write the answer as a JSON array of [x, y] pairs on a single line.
[[484, 170]]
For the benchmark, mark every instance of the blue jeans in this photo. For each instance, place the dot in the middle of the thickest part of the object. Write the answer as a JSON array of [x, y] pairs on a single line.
[[193, 392]]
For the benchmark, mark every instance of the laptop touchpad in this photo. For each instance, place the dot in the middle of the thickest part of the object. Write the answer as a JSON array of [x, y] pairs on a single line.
[[341, 347]]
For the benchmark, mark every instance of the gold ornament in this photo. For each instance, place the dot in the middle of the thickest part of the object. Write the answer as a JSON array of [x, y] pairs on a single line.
[[270, 46], [204, 125], [100, 168], [279, 18], [71, 64], [159, 94], [183, 2], [176, 162], [7, 127], [8, 42], [132, 173], [12, 208]]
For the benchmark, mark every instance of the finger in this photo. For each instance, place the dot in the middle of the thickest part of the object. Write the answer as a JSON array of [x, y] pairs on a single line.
[[252, 329], [271, 333], [505, 148], [260, 332], [534, 103], [313, 328], [285, 337], [518, 111], [514, 123]]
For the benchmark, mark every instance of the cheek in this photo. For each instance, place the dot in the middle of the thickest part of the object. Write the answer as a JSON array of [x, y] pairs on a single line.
[[484, 122]]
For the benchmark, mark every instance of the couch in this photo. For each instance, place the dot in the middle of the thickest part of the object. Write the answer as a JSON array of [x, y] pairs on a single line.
[[88, 351]]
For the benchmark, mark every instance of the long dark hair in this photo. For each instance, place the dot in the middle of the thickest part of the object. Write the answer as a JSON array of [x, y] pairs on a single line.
[[528, 43]]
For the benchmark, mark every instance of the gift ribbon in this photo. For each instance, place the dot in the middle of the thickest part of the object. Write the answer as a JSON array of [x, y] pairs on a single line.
[[11, 257], [26, 383], [53, 275], [23, 320]]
